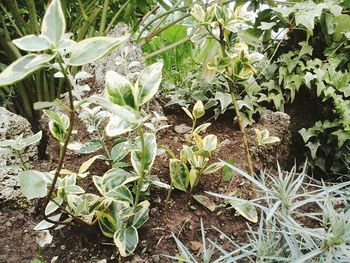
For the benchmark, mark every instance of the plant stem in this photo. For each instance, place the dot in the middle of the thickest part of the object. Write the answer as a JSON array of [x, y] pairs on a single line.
[[116, 16], [20, 156], [232, 89], [244, 135], [104, 146], [104, 17], [142, 171], [63, 149]]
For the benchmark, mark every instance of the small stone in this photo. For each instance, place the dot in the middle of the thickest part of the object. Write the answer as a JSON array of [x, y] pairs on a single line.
[[63, 247], [182, 128], [195, 245], [54, 259]]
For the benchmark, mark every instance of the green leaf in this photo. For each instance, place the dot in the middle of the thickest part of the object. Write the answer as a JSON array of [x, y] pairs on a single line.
[[90, 147], [126, 240], [189, 114], [117, 126], [247, 210], [194, 177], [32, 43], [32, 139], [313, 146], [33, 184], [23, 67], [148, 156], [123, 112], [342, 25], [86, 165], [58, 124], [263, 137], [119, 151], [54, 23], [141, 214], [107, 223], [201, 128], [92, 49], [121, 193], [119, 90], [213, 168], [210, 142], [198, 13], [179, 174], [198, 110], [224, 98], [205, 201], [148, 83]]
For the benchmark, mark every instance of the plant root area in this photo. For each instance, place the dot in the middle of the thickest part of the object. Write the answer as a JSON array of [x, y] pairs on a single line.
[[180, 217]]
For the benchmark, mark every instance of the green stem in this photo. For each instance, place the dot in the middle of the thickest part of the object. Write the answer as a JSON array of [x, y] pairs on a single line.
[[165, 14], [154, 33], [87, 24], [63, 149], [142, 170], [104, 146], [174, 45], [33, 22], [109, 27], [232, 89], [82, 10], [104, 17], [20, 156]]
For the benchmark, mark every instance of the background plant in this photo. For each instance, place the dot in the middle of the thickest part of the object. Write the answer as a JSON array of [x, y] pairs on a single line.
[[282, 234]]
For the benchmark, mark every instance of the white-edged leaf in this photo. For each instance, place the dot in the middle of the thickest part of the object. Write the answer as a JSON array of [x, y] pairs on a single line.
[[32, 43], [189, 114], [210, 142], [92, 49], [213, 168], [202, 127], [198, 110], [117, 126], [144, 160], [33, 184], [86, 165], [54, 23], [45, 225], [124, 112], [119, 90], [23, 67], [148, 83], [126, 240], [205, 201], [33, 139]]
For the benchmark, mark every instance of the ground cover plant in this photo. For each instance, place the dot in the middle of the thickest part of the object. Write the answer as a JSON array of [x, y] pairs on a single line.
[[180, 160]]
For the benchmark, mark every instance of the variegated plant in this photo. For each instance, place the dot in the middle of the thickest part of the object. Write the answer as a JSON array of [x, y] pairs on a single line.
[[194, 160]]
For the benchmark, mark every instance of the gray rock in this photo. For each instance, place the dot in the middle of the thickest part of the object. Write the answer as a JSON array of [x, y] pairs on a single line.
[[182, 128], [127, 60], [277, 123], [12, 125]]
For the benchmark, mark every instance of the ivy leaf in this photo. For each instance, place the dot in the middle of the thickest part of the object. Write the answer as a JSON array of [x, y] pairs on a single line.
[[33, 184], [313, 146], [342, 136]]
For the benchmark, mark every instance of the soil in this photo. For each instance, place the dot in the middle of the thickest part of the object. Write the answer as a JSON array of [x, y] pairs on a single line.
[[78, 243]]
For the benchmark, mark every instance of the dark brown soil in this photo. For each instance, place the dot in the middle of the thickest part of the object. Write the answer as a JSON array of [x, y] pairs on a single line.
[[77, 243]]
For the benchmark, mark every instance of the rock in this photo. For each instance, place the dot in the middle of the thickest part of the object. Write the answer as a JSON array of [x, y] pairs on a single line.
[[224, 143], [12, 125], [182, 128], [277, 123], [127, 60], [195, 245]]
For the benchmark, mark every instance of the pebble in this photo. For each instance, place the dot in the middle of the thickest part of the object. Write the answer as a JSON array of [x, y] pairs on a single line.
[[54, 259], [182, 128], [195, 245]]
